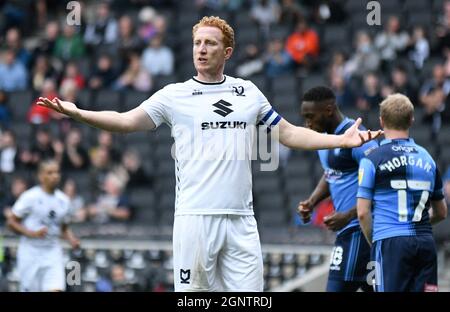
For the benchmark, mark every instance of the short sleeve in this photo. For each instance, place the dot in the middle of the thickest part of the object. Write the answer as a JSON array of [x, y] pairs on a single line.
[[157, 107], [362, 151], [366, 179], [22, 207], [438, 192], [266, 115]]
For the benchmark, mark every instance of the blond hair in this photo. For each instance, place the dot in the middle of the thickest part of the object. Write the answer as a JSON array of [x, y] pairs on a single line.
[[214, 21], [397, 112]]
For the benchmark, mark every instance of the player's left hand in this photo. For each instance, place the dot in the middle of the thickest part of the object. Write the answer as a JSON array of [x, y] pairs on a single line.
[[336, 221], [353, 137]]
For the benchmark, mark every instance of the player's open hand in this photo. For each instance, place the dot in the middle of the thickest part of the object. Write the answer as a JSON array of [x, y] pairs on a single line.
[[305, 209], [354, 137], [41, 233], [63, 107], [336, 221]]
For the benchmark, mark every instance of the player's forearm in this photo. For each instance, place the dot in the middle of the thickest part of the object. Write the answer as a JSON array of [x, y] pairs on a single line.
[[67, 234], [321, 191], [303, 138], [365, 218], [18, 228], [106, 120], [438, 211]]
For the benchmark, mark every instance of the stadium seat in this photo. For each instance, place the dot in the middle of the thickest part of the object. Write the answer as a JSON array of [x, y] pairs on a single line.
[[144, 206], [106, 99], [133, 99], [19, 103], [285, 84]]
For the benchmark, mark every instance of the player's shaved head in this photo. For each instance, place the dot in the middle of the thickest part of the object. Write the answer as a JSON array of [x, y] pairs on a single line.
[[320, 95], [43, 164], [319, 109]]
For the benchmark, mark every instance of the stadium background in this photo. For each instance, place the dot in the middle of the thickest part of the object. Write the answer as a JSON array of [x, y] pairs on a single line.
[[104, 64]]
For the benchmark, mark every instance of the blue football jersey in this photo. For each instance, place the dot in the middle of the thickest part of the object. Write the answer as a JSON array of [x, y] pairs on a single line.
[[401, 179], [341, 171]]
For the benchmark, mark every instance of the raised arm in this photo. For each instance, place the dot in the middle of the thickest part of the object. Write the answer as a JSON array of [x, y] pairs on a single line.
[[304, 138], [133, 120]]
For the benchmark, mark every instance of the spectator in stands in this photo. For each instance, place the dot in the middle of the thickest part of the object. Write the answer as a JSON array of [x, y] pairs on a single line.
[[47, 44], [9, 152], [135, 77], [128, 41], [71, 73], [77, 204], [44, 147], [147, 29], [103, 31], [14, 42], [392, 40], [265, 13], [370, 97], [446, 179], [69, 45], [337, 65], [434, 98], [132, 163], [303, 44], [5, 112], [41, 71], [278, 60], [365, 59], [74, 156], [290, 13], [400, 83], [344, 94], [113, 204], [117, 281], [105, 140], [18, 186], [37, 114], [158, 59], [103, 74], [101, 164], [251, 62], [442, 30], [420, 48], [13, 74]]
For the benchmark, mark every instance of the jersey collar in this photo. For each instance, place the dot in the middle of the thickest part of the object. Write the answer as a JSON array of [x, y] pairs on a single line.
[[210, 83], [388, 141], [342, 125]]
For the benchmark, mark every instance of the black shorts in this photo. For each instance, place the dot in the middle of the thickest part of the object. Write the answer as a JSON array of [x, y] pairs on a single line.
[[405, 263]]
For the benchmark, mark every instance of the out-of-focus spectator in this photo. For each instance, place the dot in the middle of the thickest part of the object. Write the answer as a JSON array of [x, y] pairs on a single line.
[[44, 147], [442, 29], [14, 42], [117, 281], [71, 73], [392, 40], [371, 93], [329, 12], [365, 59], [399, 83], [101, 164], [113, 204], [132, 163], [9, 152], [77, 203], [446, 179], [251, 62], [74, 157], [135, 76], [303, 44], [69, 45], [103, 75], [434, 98], [46, 45], [337, 65], [5, 112], [265, 13], [278, 60], [158, 59], [344, 94], [147, 29], [42, 70], [39, 114], [420, 48], [13, 74], [103, 30], [105, 140], [290, 13], [128, 40], [18, 186]]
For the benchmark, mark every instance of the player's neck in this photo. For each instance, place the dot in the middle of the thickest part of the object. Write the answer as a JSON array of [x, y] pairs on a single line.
[[47, 189], [393, 134], [205, 77]]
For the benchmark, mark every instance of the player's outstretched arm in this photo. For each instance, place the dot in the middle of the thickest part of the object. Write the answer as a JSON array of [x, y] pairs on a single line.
[[133, 120], [303, 138], [364, 210]]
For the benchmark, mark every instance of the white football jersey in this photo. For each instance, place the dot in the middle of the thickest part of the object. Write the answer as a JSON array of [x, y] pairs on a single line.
[[39, 209], [213, 125]]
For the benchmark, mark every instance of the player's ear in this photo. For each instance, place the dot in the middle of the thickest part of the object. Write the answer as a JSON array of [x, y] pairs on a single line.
[[228, 52], [381, 123]]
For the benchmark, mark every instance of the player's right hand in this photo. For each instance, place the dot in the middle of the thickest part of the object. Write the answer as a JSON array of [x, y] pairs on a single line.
[[304, 209], [41, 233], [63, 107]]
